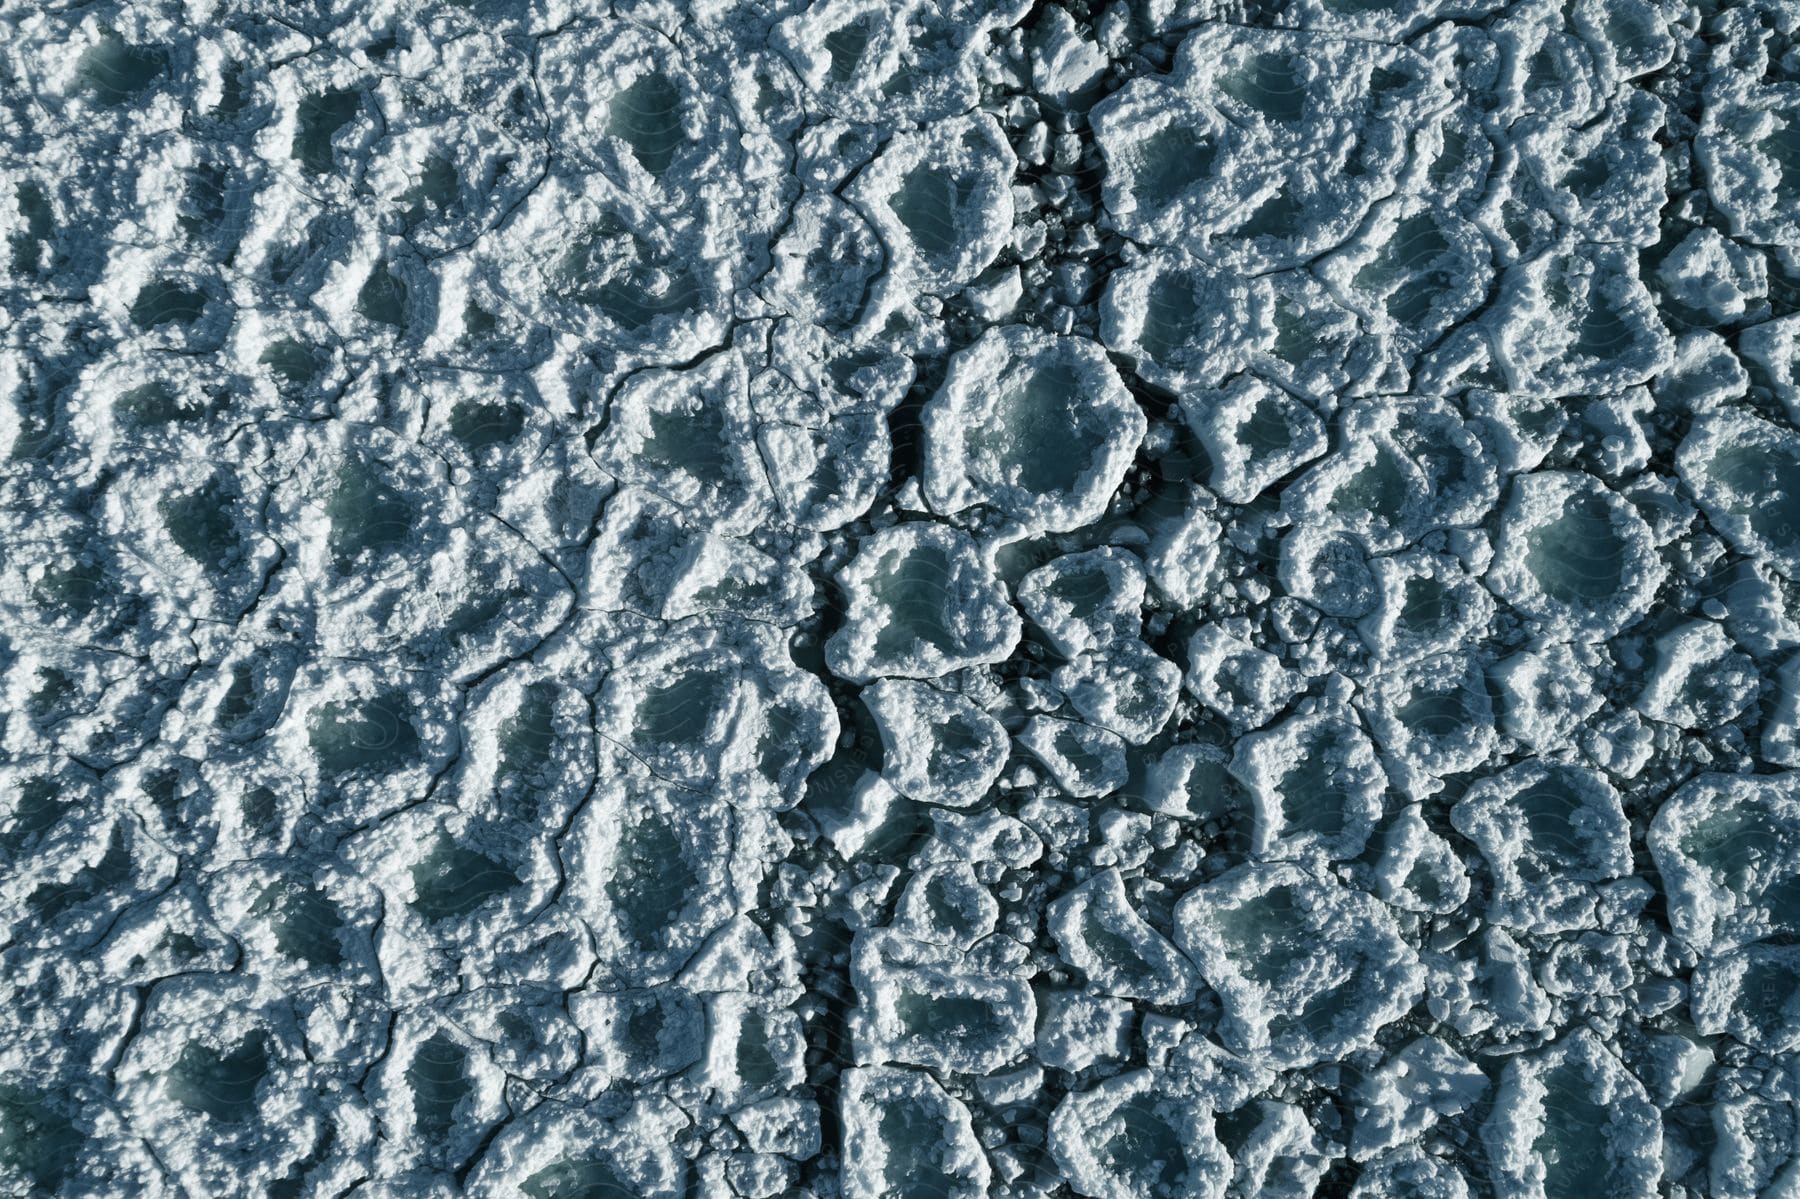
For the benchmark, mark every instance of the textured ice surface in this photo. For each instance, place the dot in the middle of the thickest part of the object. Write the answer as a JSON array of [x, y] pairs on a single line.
[[860, 599]]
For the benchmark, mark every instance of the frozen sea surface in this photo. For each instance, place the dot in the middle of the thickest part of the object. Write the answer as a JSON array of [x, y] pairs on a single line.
[[874, 599]]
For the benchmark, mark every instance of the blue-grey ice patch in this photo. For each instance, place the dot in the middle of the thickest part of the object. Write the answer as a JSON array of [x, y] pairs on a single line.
[[650, 876], [1749, 994], [1254, 434], [1755, 1145], [613, 270], [924, 1004], [688, 436], [1419, 869], [651, 558], [1085, 601], [1426, 603], [1746, 131], [1700, 678], [937, 746], [1412, 1090], [1038, 428], [1125, 688], [1573, 556], [1245, 685], [920, 602], [561, 1149], [1740, 469], [1188, 323], [874, 63], [1551, 834], [1316, 783], [1431, 718], [717, 707], [940, 199], [902, 1130], [1136, 1133], [1726, 846], [1546, 695], [1192, 782], [1307, 970], [1098, 933], [1412, 272], [1721, 281], [1570, 1118], [1236, 150], [1085, 761], [1411, 1172]]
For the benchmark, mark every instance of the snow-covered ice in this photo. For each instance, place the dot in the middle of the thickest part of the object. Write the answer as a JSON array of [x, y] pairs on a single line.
[[847, 599]]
